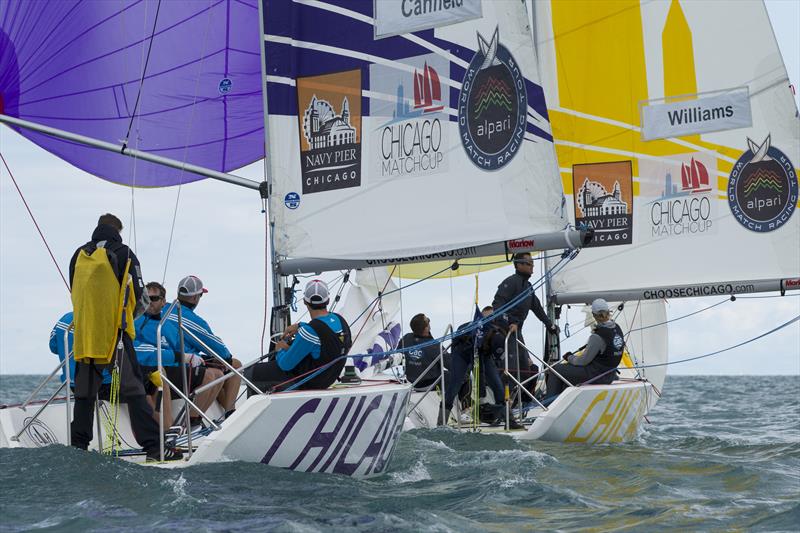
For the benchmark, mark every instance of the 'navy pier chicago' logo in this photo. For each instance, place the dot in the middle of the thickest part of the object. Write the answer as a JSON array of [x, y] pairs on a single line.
[[762, 188], [492, 106]]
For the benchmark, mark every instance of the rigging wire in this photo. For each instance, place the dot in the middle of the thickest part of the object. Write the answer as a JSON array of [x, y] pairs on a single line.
[[144, 73], [186, 146], [53, 257], [773, 330]]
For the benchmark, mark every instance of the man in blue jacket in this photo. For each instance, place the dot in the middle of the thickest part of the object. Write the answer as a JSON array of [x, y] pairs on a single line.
[[320, 342], [57, 347], [147, 354], [190, 290]]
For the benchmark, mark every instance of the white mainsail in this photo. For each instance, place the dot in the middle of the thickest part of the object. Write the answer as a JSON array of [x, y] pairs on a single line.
[[409, 144], [706, 207]]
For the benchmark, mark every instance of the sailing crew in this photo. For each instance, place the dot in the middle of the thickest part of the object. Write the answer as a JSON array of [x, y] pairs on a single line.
[[57, 347], [190, 290], [322, 342], [422, 354], [147, 353], [107, 292], [508, 290], [598, 361]]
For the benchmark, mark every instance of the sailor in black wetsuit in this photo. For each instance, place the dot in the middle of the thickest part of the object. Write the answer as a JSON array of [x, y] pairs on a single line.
[[598, 361], [418, 359], [509, 289]]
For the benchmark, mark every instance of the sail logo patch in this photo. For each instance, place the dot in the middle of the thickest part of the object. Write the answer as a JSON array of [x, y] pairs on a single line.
[[225, 86], [762, 188], [291, 200], [604, 201], [492, 106], [411, 138], [329, 112], [684, 202]]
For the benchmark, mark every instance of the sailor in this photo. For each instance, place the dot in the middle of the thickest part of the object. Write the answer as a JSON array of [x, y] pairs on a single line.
[[424, 351], [508, 290], [147, 353], [190, 291], [57, 347], [463, 355], [107, 292], [598, 361], [322, 341]]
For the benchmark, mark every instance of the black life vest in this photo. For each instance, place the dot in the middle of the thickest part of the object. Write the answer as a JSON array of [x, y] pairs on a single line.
[[418, 359], [332, 346], [615, 344]]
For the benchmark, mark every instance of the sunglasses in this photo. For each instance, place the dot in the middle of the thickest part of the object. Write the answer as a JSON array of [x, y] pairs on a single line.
[[524, 262], [155, 298]]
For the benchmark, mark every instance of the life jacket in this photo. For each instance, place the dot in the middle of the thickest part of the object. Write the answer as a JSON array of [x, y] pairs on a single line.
[[102, 306], [615, 345], [332, 346]]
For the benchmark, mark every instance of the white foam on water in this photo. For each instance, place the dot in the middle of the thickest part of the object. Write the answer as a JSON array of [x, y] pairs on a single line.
[[179, 488], [418, 472]]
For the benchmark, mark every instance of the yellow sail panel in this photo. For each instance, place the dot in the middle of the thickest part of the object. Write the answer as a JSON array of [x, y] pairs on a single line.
[[466, 267], [600, 58]]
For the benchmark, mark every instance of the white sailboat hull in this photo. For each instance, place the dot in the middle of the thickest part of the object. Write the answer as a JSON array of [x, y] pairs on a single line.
[[591, 414], [347, 430]]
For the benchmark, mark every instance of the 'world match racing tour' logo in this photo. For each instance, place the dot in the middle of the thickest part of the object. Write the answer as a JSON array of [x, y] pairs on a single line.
[[762, 188], [492, 106]]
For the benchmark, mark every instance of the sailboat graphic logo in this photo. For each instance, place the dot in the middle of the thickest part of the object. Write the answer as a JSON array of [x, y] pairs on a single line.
[[694, 177], [492, 106], [427, 90], [762, 188]]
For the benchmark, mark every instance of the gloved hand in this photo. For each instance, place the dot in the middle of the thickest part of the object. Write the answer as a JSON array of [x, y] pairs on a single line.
[[554, 329], [192, 360], [566, 355]]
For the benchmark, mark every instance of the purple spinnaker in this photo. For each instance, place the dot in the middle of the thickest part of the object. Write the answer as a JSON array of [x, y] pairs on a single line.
[[78, 66]]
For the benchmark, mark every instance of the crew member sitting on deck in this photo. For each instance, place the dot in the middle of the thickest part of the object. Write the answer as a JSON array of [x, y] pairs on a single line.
[[598, 361], [323, 341], [147, 354], [418, 359], [190, 290]]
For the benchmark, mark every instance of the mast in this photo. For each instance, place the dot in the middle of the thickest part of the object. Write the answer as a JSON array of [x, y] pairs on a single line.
[[281, 314]]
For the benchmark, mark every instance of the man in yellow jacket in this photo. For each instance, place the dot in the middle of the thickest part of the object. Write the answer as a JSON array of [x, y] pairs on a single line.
[[107, 294]]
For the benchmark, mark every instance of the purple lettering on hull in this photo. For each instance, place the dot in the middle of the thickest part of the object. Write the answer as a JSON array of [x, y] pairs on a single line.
[[348, 432]]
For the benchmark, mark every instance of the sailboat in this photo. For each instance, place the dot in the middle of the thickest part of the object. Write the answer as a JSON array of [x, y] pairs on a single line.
[[674, 191], [81, 73]]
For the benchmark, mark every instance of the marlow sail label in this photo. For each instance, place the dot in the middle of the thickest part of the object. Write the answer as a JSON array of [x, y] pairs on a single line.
[[390, 173], [710, 207]]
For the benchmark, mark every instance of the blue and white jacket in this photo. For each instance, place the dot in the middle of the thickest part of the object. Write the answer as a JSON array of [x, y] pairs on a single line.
[[306, 342], [145, 342], [57, 347], [195, 323]]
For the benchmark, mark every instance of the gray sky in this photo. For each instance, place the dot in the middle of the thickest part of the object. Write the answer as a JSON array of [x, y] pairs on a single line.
[[219, 236]]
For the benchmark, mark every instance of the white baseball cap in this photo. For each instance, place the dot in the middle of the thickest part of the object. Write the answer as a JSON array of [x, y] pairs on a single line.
[[316, 292], [599, 306], [191, 286]]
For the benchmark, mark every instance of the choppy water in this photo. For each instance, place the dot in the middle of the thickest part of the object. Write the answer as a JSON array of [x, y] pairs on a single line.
[[721, 453]]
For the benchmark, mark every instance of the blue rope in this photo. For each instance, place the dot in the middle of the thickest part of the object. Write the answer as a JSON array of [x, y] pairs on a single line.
[[452, 335]]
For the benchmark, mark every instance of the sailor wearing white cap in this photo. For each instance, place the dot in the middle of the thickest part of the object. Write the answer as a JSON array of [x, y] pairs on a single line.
[[598, 360], [320, 342]]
